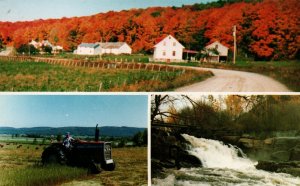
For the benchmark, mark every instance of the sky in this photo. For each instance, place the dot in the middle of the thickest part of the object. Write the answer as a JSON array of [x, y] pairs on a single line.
[[73, 110], [26, 10]]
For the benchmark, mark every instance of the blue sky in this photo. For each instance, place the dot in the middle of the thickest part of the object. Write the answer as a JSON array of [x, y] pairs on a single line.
[[21, 10], [73, 110]]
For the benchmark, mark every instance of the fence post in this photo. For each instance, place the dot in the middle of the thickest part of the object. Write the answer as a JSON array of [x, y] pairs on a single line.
[[100, 86]]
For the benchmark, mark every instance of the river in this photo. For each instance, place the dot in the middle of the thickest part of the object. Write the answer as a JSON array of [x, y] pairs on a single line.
[[223, 165]]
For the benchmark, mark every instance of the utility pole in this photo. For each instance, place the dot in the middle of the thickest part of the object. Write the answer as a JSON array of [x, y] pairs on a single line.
[[234, 40], [101, 50]]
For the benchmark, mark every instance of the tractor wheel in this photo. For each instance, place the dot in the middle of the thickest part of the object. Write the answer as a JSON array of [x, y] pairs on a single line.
[[53, 155], [94, 168], [109, 167]]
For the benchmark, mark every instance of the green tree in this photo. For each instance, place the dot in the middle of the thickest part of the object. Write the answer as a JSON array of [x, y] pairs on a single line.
[[138, 139], [47, 49], [59, 137], [25, 49], [122, 143]]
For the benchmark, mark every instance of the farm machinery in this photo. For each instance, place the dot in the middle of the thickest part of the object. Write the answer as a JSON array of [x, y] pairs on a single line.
[[95, 155]]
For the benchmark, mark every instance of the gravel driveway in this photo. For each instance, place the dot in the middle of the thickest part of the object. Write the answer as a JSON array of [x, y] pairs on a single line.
[[235, 81]]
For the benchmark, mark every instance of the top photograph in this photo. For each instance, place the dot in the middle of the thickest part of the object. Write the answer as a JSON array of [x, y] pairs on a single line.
[[149, 46]]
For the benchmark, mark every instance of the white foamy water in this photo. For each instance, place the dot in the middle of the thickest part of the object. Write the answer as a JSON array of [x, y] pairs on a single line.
[[214, 154], [222, 166]]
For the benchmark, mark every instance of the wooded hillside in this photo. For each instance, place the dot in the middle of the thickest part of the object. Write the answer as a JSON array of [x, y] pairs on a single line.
[[267, 30]]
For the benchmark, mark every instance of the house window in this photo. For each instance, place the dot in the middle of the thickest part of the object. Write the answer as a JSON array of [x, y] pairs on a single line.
[[174, 43], [174, 53], [164, 43], [164, 53], [217, 46]]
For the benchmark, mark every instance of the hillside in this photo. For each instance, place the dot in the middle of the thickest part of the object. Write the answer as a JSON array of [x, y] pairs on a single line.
[[266, 30], [76, 131]]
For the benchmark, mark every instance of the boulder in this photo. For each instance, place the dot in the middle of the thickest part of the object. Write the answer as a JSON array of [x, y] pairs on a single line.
[[269, 141], [292, 168], [246, 142]]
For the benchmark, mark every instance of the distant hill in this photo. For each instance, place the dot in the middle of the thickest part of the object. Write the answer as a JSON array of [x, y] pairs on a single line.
[[76, 131], [266, 29]]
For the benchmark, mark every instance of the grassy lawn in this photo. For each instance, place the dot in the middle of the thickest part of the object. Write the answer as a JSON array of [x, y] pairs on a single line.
[[30, 76], [20, 166]]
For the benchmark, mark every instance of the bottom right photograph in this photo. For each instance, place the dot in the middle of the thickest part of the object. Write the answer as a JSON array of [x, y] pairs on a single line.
[[225, 139]]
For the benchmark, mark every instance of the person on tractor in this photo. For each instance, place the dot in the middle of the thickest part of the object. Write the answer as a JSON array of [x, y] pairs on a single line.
[[67, 142]]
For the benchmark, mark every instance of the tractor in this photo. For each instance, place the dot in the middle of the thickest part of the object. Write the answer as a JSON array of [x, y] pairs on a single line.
[[95, 155]]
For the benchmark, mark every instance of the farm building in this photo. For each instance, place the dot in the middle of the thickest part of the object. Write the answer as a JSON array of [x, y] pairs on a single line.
[[39, 45], [222, 52], [115, 48], [88, 49], [168, 50], [103, 48]]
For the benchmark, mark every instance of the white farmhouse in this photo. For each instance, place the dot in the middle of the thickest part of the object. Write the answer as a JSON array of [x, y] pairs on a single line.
[[222, 50], [115, 48], [168, 50], [40, 44], [35, 44], [88, 49]]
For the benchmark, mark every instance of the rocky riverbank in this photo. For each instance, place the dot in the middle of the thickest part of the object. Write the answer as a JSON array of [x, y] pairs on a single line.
[[276, 154]]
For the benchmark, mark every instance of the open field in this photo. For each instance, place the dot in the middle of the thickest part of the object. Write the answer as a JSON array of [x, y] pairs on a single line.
[[30, 76], [106, 57], [20, 165]]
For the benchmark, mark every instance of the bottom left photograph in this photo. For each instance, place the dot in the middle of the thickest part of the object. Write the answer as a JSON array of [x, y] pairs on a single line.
[[73, 139]]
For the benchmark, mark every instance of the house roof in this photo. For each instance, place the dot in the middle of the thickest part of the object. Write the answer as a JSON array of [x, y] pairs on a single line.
[[191, 51], [89, 45], [208, 46], [167, 37], [111, 45]]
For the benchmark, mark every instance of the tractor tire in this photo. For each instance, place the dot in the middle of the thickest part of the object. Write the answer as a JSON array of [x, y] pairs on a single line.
[[109, 167], [94, 168], [53, 155]]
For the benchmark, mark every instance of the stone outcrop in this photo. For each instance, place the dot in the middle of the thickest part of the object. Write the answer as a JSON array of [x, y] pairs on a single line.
[[292, 167], [169, 150]]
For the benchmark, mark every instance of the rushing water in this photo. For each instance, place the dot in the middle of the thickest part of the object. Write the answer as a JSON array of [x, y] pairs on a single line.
[[223, 165]]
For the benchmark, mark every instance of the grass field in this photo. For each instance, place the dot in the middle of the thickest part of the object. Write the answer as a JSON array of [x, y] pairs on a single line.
[[128, 58], [20, 166], [32, 76]]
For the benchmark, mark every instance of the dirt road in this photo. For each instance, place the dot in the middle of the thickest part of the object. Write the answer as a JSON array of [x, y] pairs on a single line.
[[235, 81]]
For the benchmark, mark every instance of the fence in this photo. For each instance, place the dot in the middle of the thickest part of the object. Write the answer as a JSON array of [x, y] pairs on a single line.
[[99, 64]]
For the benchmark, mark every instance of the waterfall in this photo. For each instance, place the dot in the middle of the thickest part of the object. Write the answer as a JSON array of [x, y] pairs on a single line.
[[215, 154], [222, 165]]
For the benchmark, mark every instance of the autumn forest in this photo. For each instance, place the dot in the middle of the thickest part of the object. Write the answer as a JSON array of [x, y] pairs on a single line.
[[266, 30]]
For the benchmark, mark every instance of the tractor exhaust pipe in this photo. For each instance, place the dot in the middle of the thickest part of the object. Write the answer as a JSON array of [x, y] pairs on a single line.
[[97, 133]]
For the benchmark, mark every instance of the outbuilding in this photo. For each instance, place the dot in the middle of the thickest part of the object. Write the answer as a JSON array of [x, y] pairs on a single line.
[[221, 49], [88, 49]]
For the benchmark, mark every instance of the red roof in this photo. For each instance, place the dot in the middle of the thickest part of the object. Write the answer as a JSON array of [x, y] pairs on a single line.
[[191, 51]]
